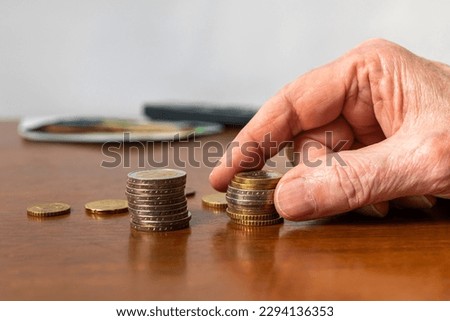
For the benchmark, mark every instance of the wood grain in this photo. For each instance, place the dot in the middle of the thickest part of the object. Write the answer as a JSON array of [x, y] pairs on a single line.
[[92, 257]]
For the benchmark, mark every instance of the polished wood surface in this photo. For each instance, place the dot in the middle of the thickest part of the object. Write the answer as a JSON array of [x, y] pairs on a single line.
[[92, 257]]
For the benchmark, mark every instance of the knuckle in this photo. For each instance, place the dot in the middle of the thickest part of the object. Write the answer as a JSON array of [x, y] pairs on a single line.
[[437, 156], [352, 185]]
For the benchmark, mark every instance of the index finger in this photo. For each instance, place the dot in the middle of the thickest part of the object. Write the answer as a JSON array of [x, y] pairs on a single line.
[[313, 100]]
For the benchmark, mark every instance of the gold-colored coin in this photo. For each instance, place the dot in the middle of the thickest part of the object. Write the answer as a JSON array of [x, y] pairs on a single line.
[[48, 209], [107, 206], [253, 186], [159, 228], [261, 176], [257, 217], [259, 222], [216, 200]]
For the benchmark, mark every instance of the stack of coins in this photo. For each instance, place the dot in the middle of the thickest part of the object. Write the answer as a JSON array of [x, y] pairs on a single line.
[[250, 198], [157, 200]]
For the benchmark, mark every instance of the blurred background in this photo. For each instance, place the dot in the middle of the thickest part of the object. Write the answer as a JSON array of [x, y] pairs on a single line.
[[98, 57]]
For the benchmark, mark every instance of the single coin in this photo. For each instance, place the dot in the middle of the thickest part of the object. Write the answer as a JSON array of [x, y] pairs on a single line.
[[107, 206], [265, 176], [216, 200], [48, 209], [259, 223], [189, 191]]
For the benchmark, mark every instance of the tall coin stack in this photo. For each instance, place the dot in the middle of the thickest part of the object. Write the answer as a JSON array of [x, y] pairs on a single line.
[[157, 200], [250, 198]]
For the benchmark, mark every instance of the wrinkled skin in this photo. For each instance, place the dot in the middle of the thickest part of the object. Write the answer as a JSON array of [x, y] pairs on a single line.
[[392, 109]]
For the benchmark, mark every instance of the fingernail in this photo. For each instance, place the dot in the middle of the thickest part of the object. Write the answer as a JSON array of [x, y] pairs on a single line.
[[294, 201], [374, 210]]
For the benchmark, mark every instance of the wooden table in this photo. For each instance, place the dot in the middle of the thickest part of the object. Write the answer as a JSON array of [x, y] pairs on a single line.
[[92, 257]]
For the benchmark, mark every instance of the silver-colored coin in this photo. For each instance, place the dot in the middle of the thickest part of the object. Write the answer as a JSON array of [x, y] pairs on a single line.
[[159, 218], [250, 197], [244, 202], [139, 212], [155, 191], [160, 174], [157, 207], [266, 209], [183, 220], [159, 185], [157, 174], [153, 197], [157, 202], [263, 193], [189, 191]]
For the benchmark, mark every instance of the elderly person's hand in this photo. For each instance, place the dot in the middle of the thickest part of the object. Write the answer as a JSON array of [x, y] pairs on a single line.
[[389, 113]]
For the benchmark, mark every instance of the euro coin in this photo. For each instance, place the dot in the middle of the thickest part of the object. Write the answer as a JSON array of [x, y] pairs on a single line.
[[216, 200], [189, 191], [274, 221], [107, 206], [48, 209], [253, 217], [255, 177]]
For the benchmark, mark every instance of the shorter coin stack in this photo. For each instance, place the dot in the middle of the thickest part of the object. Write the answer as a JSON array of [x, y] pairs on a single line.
[[250, 198], [157, 200]]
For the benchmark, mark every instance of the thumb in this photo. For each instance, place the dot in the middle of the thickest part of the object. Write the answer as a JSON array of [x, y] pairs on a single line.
[[347, 180]]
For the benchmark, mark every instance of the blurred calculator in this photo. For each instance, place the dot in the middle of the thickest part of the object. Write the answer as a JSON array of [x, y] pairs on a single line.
[[234, 115]]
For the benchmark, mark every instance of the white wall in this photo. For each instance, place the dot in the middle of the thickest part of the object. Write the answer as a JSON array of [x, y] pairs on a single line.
[[108, 57]]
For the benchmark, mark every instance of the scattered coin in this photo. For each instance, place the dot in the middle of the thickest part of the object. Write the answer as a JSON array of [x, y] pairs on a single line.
[[250, 198], [261, 177], [216, 200], [189, 191], [157, 200], [48, 209], [107, 206]]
